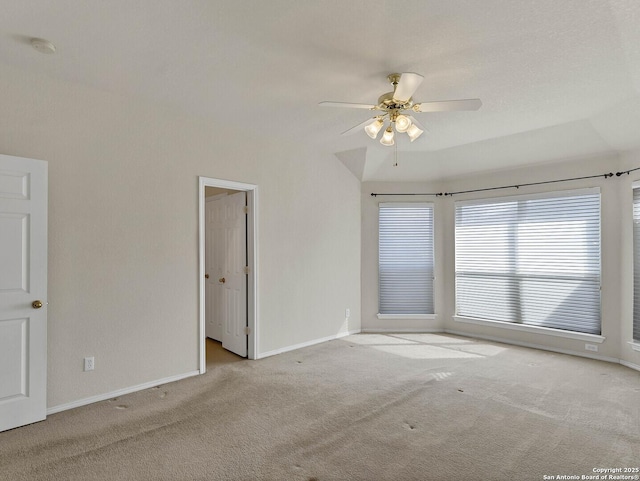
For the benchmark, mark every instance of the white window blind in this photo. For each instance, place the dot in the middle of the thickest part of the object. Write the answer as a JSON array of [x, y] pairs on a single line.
[[636, 263], [530, 260], [405, 254]]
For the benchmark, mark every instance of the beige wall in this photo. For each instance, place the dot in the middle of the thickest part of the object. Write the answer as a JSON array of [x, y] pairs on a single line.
[[123, 261], [123, 266], [617, 255]]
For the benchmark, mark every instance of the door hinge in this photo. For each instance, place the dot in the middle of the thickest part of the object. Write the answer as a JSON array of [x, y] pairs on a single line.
[[247, 330], [246, 209], [246, 269]]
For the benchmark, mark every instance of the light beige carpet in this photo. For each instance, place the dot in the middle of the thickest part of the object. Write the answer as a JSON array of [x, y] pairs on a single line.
[[367, 407]]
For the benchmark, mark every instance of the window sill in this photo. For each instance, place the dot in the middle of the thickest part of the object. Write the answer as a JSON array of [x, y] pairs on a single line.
[[406, 316], [580, 336], [635, 345]]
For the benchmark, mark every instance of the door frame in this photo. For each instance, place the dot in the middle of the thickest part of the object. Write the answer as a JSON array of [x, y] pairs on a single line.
[[252, 262]]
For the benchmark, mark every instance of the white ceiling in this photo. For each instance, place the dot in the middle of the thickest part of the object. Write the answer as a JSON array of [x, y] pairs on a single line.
[[558, 78]]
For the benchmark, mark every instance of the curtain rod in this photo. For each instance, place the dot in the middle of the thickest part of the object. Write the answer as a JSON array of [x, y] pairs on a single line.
[[516, 186]]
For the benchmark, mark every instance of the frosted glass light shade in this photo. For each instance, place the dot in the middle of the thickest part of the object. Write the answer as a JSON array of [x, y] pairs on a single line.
[[373, 128], [387, 137], [402, 123], [414, 132]]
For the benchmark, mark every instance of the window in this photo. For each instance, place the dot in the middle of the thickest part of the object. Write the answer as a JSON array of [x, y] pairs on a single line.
[[405, 255], [531, 260], [636, 263]]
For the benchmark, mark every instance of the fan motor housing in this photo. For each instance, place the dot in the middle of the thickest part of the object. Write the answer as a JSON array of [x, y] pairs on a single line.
[[387, 102]]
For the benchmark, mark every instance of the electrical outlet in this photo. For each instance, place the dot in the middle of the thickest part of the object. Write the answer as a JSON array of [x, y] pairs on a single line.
[[347, 313], [89, 363], [591, 347]]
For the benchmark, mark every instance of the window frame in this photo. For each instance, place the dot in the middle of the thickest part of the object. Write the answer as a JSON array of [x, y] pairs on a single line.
[[398, 316], [635, 342], [591, 337]]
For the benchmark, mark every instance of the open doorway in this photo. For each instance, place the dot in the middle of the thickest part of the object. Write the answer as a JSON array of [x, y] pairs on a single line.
[[225, 267], [227, 273]]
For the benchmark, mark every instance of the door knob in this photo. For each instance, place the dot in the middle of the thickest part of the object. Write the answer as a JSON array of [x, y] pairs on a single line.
[[36, 304], [222, 280], [206, 276]]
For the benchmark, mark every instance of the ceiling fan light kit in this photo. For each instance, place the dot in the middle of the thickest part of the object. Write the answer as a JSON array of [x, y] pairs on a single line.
[[374, 127], [414, 132], [388, 137], [395, 103], [402, 123]]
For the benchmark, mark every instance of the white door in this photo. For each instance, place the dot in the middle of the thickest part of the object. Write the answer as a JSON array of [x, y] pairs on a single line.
[[23, 291], [234, 278], [214, 265], [225, 277]]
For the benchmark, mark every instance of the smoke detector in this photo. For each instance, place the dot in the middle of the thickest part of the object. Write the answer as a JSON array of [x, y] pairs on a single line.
[[43, 46]]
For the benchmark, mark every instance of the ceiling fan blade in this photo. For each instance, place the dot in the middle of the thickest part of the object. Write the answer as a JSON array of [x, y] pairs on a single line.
[[407, 85], [358, 127], [347, 104], [448, 105]]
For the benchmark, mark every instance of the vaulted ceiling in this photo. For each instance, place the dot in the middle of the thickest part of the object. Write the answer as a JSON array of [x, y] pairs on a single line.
[[558, 79]]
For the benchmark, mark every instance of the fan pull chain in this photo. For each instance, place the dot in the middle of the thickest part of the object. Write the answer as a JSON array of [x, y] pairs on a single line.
[[395, 162]]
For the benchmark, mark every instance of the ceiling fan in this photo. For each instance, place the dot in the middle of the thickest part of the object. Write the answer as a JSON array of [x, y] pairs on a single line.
[[393, 106]]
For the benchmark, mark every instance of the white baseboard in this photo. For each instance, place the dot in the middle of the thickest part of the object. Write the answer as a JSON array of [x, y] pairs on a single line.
[[457, 333], [119, 392], [540, 347], [149, 385], [262, 355], [630, 364], [403, 331]]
